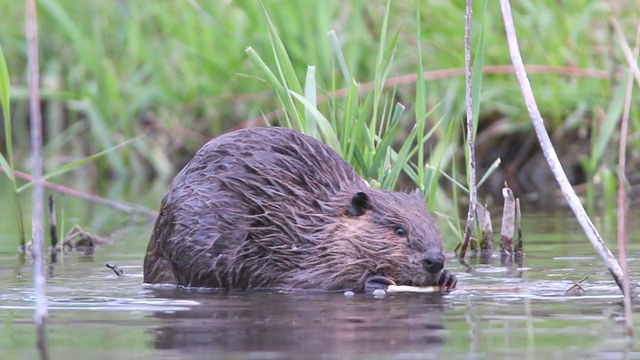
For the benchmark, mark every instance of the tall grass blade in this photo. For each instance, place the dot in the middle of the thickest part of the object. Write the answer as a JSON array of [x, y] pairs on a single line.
[[442, 147], [286, 72], [311, 95], [5, 89], [6, 168], [401, 158], [352, 120], [383, 59], [608, 127], [280, 52], [324, 125], [274, 84], [478, 66], [72, 165], [387, 141], [7, 163], [490, 171], [337, 51], [293, 112]]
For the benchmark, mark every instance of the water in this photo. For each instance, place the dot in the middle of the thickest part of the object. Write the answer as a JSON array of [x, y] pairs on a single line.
[[498, 312]]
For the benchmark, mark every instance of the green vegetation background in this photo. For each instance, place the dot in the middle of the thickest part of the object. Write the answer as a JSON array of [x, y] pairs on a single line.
[[177, 71]]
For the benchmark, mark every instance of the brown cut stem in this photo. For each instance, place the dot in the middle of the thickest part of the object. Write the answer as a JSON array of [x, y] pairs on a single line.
[[508, 217], [484, 220], [550, 153]]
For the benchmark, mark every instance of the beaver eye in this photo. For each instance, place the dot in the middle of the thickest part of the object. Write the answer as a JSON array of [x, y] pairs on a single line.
[[400, 231]]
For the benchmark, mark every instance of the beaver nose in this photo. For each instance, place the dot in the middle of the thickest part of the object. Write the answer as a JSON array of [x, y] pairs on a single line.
[[433, 262]]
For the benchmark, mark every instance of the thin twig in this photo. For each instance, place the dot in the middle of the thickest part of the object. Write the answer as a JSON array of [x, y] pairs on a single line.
[[471, 168], [428, 75], [39, 280], [622, 193], [549, 152], [576, 287], [119, 272], [123, 206]]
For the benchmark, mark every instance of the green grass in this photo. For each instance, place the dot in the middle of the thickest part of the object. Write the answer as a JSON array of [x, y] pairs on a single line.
[[113, 70], [363, 128], [7, 162]]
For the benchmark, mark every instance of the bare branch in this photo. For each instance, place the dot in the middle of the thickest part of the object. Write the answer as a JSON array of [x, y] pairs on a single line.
[[550, 153], [471, 168]]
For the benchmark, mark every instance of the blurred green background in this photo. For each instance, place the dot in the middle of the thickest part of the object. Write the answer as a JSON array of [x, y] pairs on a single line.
[[177, 72]]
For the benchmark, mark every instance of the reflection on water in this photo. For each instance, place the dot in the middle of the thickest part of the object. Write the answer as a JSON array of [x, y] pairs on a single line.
[[500, 311], [298, 323]]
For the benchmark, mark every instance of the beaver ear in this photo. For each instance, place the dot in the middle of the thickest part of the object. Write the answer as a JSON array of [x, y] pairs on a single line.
[[418, 192], [359, 203]]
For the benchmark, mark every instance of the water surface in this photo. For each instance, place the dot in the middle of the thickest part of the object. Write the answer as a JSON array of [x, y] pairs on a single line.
[[499, 311]]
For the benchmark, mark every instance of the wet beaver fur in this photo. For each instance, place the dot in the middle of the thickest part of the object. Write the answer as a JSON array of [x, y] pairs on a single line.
[[272, 208]]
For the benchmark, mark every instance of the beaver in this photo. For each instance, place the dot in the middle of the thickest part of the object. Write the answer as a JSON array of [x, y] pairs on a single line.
[[273, 208]]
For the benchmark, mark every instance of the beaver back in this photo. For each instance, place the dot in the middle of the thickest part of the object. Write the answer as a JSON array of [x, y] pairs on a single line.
[[270, 207]]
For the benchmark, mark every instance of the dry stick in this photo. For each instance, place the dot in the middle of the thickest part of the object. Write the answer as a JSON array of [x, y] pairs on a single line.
[[125, 207], [441, 74], [53, 229], [39, 281], [549, 152], [428, 75], [622, 194], [470, 132]]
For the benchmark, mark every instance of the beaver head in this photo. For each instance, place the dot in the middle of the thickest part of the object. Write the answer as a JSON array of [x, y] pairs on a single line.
[[386, 236]]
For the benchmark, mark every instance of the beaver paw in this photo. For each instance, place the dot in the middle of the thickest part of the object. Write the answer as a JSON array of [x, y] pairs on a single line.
[[446, 281], [377, 282]]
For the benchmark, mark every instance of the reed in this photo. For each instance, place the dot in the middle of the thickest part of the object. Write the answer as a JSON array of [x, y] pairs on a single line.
[[362, 127], [632, 59], [8, 162], [37, 223]]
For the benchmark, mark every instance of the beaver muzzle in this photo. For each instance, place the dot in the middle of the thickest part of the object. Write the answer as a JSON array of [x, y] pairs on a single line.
[[433, 262]]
